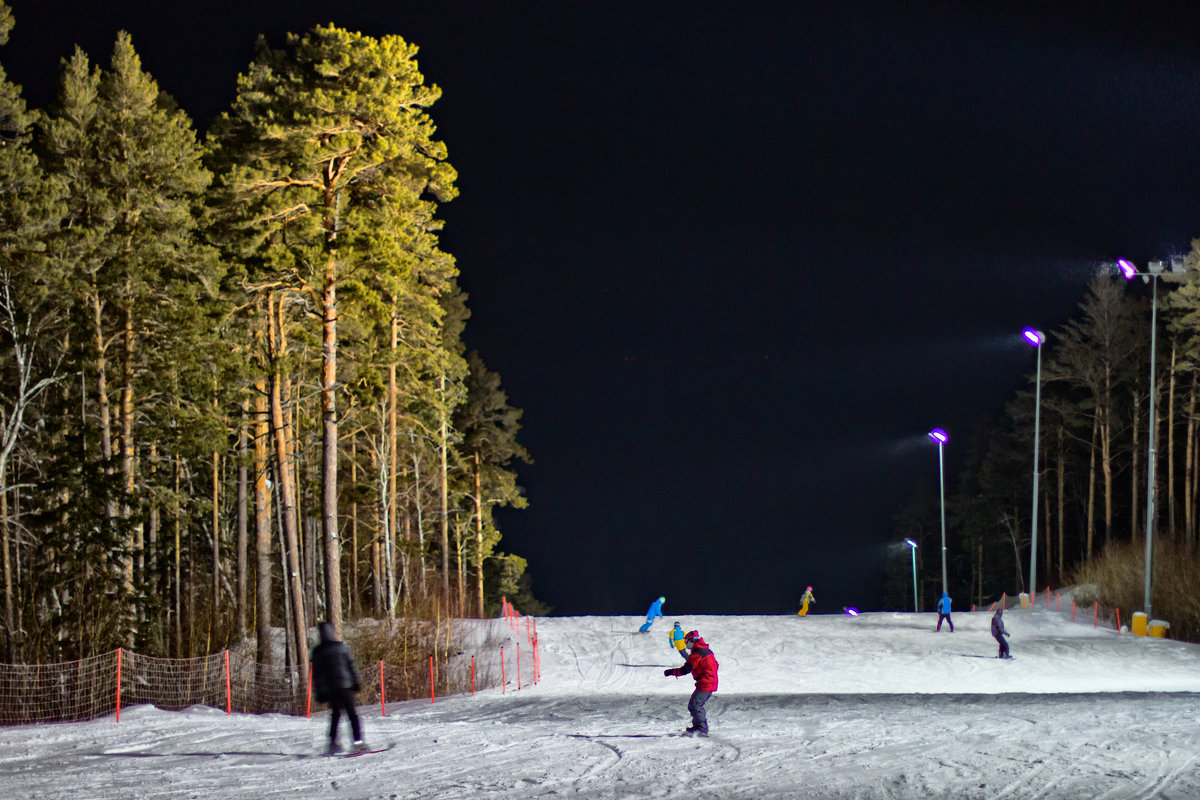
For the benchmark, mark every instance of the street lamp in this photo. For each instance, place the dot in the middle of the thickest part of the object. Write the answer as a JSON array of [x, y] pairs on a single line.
[[1129, 271], [913, 546], [1036, 339], [940, 436]]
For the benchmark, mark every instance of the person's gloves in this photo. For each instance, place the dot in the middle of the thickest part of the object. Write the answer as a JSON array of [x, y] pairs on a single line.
[[1009, 635], [668, 672]]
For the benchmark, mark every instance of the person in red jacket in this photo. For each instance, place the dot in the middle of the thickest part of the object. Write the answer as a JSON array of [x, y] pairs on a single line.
[[702, 665]]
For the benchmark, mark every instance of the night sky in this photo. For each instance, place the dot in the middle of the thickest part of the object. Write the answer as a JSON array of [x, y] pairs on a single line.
[[734, 260]]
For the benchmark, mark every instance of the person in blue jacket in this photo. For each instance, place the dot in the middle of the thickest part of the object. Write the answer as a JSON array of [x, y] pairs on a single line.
[[944, 611], [676, 637], [654, 612]]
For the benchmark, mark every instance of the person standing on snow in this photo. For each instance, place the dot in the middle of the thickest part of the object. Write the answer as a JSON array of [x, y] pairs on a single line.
[[999, 633], [804, 601], [676, 638], [654, 612], [334, 681], [702, 665], [944, 611]]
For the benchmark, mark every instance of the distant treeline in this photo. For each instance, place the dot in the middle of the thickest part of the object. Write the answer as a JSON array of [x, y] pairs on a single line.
[[1092, 457], [233, 386]]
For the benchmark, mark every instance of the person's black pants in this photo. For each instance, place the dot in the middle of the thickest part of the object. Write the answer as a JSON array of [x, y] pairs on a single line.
[[946, 617], [342, 700], [696, 707], [1003, 646]]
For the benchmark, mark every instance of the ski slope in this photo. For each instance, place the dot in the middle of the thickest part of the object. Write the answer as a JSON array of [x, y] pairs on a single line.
[[877, 706]]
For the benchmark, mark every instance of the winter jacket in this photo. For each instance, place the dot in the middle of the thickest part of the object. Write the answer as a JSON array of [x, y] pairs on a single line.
[[676, 637], [998, 626], [333, 665], [702, 665], [655, 610], [944, 604]]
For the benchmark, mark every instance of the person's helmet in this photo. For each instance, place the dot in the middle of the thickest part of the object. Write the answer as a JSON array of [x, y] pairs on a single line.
[[691, 636], [676, 624], [662, 599], [808, 589]]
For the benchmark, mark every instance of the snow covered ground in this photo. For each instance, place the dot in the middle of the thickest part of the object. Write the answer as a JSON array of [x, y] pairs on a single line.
[[877, 706]]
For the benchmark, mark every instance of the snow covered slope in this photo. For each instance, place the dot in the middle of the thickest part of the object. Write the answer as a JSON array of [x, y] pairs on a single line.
[[877, 706]]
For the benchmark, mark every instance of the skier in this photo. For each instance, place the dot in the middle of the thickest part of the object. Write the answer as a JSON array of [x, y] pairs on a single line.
[[655, 611], [702, 664], [999, 633], [944, 611], [804, 601], [335, 680], [676, 637]]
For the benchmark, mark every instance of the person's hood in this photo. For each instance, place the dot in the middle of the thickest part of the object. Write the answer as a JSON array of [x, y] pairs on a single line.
[[326, 632], [999, 611], [945, 594], [700, 643]]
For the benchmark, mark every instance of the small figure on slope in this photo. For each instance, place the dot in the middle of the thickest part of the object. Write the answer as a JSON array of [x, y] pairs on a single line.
[[944, 611], [999, 633], [654, 612], [335, 680], [676, 637], [702, 665], [804, 601]]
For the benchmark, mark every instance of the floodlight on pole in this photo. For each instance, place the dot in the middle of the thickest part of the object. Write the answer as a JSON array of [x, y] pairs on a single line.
[[1036, 339], [913, 546], [941, 437], [1129, 272]]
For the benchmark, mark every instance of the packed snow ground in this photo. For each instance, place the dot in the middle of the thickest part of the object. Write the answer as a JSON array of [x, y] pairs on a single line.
[[878, 706]]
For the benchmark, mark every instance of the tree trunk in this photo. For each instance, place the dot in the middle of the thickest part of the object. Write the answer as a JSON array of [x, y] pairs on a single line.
[[445, 488], [1171, 448], [1134, 477], [329, 452], [280, 431], [242, 525], [134, 541], [478, 538], [1091, 506], [1062, 505], [262, 522], [1189, 468]]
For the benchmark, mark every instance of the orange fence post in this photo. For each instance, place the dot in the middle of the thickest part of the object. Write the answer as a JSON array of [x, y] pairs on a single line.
[[228, 686], [472, 676], [118, 684], [382, 696], [503, 689], [1047, 597], [1058, 601], [431, 698], [1118, 620], [1003, 600], [1096, 614], [1072, 611], [308, 706]]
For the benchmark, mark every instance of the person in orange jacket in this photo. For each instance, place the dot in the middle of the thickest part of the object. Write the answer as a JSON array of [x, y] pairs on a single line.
[[702, 665]]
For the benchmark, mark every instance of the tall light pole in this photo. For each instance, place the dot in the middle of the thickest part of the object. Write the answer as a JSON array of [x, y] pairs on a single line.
[[940, 436], [1129, 271], [1036, 339], [913, 546]]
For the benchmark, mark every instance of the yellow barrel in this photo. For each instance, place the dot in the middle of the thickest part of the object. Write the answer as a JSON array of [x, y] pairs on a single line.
[[1139, 623], [1158, 628], [1025, 604]]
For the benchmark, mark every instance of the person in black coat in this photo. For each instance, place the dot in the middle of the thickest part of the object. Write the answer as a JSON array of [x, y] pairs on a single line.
[[335, 680]]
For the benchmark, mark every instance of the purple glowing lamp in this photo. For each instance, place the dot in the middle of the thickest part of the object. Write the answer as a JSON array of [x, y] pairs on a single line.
[[1128, 270], [939, 436], [1035, 338]]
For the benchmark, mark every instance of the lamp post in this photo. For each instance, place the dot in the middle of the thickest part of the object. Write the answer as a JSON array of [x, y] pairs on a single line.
[[913, 546], [940, 436], [1036, 339], [1129, 271]]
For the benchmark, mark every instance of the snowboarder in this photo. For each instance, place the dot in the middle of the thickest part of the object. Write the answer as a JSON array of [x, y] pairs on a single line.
[[676, 637], [335, 680], [702, 665], [999, 633], [655, 611], [804, 601], [944, 611]]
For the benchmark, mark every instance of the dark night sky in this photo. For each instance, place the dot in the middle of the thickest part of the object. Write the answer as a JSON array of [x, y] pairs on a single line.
[[734, 259]]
